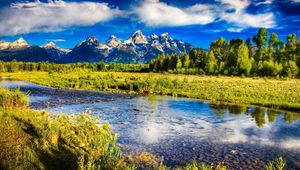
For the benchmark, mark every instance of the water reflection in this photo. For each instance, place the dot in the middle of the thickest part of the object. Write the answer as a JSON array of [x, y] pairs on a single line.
[[259, 114], [181, 129]]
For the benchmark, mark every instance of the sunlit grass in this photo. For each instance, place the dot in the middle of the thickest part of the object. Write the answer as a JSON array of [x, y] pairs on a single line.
[[284, 94]]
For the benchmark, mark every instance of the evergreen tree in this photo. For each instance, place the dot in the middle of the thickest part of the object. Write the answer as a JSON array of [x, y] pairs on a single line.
[[178, 64], [172, 62], [185, 60], [260, 39], [291, 47], [100, 66], [273, 47]]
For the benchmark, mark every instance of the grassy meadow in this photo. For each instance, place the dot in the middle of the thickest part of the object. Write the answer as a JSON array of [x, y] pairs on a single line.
[[275, 93]]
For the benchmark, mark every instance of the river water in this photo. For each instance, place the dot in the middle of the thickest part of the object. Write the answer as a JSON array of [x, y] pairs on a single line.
[[180, 130]]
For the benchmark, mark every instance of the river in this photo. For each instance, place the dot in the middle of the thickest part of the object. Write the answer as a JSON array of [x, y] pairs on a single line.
[[180, 130]]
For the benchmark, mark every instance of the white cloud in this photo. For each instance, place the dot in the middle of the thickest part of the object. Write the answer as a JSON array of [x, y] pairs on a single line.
[[27, 17], [59, 40], [235, 29], [236, 4], [266, 2], [57, 15], [243, 19], [155, 13], [56, 40]]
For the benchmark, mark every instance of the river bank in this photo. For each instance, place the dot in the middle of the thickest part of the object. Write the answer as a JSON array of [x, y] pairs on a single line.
[[279, 94]]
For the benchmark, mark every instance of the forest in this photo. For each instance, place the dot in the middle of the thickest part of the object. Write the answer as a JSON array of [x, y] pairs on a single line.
[[263, 55]]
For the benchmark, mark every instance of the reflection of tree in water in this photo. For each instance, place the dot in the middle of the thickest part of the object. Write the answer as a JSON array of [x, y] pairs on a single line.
[[272, 114], [259, 114], [290, 117], [236, 109], [153, 102], [219, 109]]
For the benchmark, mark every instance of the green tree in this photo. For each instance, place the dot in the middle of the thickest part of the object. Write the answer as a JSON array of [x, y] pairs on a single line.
[[298, 52], [260, 39], [273, 47], [165, 62], [172, 62], [100, 66], [243, 61], [218, 48], [290, 69], [291, 47], [211, 63], [185, 60], [178, 64], [2, 67]]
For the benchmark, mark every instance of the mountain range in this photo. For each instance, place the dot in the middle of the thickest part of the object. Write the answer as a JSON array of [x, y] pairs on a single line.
[[136, 49]]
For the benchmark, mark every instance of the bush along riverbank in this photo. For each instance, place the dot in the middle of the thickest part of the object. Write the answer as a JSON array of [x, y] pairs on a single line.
[[32, 139], [279, 94]]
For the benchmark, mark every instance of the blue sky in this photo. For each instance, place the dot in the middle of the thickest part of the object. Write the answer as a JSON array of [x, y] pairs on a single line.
[[196, 21]]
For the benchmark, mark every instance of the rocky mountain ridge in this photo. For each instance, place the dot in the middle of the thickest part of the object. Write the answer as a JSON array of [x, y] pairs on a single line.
[[138, 48]]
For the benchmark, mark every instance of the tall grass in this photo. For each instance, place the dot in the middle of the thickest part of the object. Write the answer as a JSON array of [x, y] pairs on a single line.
[[278, 164], [35, 140], [12, 98], [283, 94]]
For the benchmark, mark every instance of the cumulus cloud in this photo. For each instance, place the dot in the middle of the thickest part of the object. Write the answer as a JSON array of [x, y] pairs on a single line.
[[156, 13], [241, 18], [245, 20], [56, 15], [236, 4]]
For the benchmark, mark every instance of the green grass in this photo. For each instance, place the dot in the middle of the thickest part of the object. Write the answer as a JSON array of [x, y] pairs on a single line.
[[279, 94], [32, 139]]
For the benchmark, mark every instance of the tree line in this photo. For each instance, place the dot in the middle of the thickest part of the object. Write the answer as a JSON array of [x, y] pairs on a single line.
[[263, 55], [15, 66]]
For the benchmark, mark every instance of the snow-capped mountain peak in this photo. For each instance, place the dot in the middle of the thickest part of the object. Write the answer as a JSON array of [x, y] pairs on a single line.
[[113, 42], [51, 44], [4, 45], [165, 35], [137, 38], [90, 41], [19, 43], [153, 36], [136, 49]]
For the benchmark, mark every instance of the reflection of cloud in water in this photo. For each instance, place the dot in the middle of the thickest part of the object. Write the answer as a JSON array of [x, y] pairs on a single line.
[[290, 143], [162, 124], [156, 118]]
